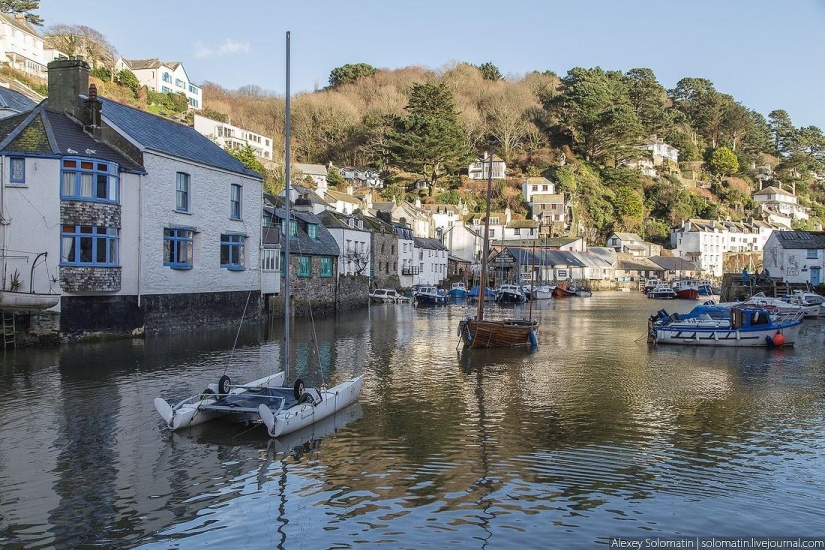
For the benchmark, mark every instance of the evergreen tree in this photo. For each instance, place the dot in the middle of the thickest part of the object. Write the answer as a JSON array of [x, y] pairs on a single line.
[[26, 7], [490, 72]]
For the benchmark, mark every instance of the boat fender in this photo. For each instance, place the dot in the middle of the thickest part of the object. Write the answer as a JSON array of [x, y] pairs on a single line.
[[778, 339], [224, 385], [298, 389], [769, 341], [207, 392], [533, 340], [306, 398]]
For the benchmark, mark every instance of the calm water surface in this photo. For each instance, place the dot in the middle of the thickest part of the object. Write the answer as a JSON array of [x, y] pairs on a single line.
[[594, 434]]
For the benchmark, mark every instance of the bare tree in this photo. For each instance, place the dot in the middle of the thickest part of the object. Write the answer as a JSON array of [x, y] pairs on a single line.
[[82, 40]]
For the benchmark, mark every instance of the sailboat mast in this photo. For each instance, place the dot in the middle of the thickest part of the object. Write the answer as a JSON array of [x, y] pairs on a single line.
[[287, 232], [482, 291]]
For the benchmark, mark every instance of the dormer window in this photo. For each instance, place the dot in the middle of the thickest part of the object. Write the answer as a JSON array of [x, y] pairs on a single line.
[[312, 231]]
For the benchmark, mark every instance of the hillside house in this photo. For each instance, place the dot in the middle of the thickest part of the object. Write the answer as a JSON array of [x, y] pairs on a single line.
[[167, 77], [779, 206], [316, 172], [354, 240], [22, 46], [361, 176], [234, 137], [12, 103], [480, 169], [432, 261]]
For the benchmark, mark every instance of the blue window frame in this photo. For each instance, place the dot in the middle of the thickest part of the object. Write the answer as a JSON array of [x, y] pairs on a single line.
[[232, 251], [89, 246], [193, 102], [166, 77], [304, 266], [312, 231], [182, 192], [235, 201], [92, 180], [326, 266], [283, 264], [17, 171], [813, 254], [177, 248], [293, 228]]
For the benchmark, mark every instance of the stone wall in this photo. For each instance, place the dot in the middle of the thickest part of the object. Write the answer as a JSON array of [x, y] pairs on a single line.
[[84, 279], [81, 316], [385, 260], [353, 292], [36, 328], [166, 313]]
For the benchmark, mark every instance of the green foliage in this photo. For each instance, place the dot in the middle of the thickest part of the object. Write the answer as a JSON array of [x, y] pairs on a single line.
[[247, 156], [176, 102], [490, 72], [335, 179], [430, 141], [629, 206], [656, 231], [22, 6], [215, 115], [614, 178], [127, 78], [453, 196], [349, 73], [102, 73], [723, 161]]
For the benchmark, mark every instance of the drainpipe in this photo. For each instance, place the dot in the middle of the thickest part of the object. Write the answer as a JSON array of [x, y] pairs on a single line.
[[3, 220], [140, 239]]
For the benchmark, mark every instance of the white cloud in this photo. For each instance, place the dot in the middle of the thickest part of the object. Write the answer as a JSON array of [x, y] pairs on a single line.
[[227, 47]]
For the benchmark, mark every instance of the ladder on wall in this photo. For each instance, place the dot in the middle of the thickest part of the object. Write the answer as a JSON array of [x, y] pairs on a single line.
[[9, 329]]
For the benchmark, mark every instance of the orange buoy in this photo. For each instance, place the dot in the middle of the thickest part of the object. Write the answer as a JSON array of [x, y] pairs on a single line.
[[778, 339]]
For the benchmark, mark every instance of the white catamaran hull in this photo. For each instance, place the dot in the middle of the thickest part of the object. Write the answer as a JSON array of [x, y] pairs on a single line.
[[190, 412], [302, 415]]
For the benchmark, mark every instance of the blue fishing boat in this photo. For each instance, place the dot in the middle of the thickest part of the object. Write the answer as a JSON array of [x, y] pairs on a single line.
[[458, 290], [430, 295]]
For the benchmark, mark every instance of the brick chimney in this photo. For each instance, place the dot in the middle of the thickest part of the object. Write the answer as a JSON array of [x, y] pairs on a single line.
[[92, 108], [68, 79]]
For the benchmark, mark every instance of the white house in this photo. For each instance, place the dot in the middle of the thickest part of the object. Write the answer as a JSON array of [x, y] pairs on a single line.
[[408, 268], [163, 76], [412, 215], [657, 153], [21, 46], [796, 256], [432, 261], [632, 244], [354, 241], [168, 221], [480, 169], [537, 186], [316, 172], [705, 242], [779, 206], [234, 137], [362, 176]]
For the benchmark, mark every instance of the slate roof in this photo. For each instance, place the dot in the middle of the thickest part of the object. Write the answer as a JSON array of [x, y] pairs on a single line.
[[311, 169], [324, 245], [15, 101], [800, 239], [673, 263], [772, 190], [430, 244], [165, 136], [637, 264], [20, 22], [544, 257], [629, 237], [49, 133], [138, 64], [343, 197], [547, 197], [378, 225]]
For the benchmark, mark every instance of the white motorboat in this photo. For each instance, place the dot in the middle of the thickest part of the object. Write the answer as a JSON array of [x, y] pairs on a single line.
[[782, 306], [509, 293], [806, 298], [661, 292], [386, 296]]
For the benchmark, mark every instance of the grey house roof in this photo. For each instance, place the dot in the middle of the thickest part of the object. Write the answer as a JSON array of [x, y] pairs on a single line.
[[673, 263], [43, 132], [527, 256], [324, 245], [431, 244], [800, 239], [165, 136], [14, 101]]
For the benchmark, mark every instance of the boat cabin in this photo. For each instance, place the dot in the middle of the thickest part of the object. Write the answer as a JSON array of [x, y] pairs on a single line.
[[748, 317]]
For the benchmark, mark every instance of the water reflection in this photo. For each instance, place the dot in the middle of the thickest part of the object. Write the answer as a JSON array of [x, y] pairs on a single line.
[[592, 434]]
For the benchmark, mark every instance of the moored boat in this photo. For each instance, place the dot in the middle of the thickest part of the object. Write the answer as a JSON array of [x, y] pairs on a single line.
[[747, 326], [511, 294], [686, 289], [385, 296], [561, 290], [661, 292], [430, 295], [458, 290]]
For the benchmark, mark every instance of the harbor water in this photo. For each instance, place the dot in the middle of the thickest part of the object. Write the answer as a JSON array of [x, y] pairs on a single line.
[[594, 434]]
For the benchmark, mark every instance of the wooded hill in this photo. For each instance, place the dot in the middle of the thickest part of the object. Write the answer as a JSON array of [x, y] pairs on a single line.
[[577, 130]]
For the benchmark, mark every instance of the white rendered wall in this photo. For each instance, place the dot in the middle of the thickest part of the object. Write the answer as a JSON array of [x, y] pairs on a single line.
[[209, 215]]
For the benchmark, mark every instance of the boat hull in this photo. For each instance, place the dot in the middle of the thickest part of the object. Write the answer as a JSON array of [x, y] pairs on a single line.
[[724, 337], [496, 334], [688, 293], [560, 292], [192, 412], [27, 300], [306, 414]]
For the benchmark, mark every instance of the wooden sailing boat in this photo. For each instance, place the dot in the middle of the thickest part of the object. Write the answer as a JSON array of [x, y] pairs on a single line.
[[482, 333]]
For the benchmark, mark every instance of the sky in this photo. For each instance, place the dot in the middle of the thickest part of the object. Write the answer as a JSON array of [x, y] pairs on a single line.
[[767, 54]]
